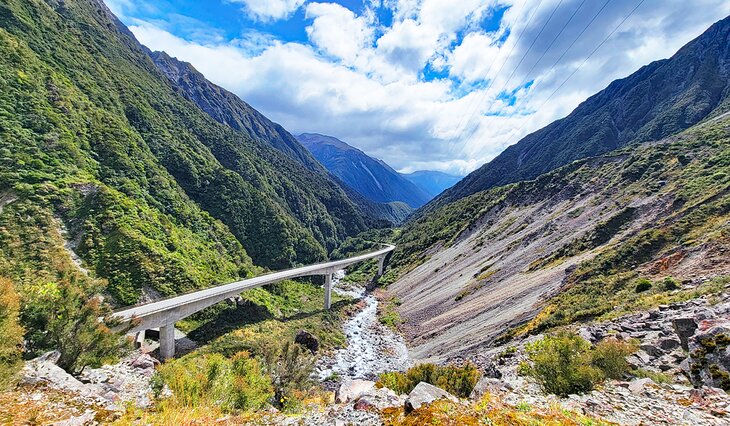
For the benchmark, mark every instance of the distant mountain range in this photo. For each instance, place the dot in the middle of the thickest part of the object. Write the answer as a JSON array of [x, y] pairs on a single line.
[[433, 182], [373, 178]]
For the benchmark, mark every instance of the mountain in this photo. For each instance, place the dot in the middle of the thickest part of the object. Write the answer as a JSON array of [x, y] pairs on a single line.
[[229, 109], [371, 177], [432, 182], [103, 157], [658, 100], [569, 246]]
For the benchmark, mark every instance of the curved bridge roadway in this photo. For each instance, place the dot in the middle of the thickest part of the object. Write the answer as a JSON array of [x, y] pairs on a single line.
[[164, 313]]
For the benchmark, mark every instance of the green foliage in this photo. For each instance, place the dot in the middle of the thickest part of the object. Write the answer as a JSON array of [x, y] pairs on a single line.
[[232, 384], [566, 364], [670, 284], [388, 313], [11, 335], [642, 285], [459, 381], [290, 367], [609, 355], [65, 316]]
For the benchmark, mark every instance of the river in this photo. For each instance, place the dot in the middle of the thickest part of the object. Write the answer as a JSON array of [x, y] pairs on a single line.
[[372, 348]]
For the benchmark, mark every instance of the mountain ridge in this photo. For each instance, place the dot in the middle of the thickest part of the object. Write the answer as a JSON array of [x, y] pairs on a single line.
[[659, 99], [371, 177]]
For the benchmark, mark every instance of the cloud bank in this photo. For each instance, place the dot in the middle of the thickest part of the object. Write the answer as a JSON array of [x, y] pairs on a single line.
[[430, 84]]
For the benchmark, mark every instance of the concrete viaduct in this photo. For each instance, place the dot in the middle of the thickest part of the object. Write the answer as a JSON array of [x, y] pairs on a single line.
[[164, 313]]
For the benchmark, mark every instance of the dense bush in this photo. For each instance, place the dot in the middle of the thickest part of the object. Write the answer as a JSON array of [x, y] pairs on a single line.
[[232, 384], [642, 285], [566, 364], [290, 367], [11, 334], [670, 284], [459, 381]]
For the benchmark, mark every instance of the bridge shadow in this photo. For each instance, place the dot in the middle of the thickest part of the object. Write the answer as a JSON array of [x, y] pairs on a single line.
[[234, 317]]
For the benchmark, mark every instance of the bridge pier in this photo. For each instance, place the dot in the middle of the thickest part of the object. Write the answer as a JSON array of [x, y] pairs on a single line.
[[381, 265], [167, 341], [328, 291]]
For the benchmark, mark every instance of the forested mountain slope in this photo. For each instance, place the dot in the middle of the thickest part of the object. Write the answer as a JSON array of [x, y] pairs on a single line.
[[153, 194], [658, 100], [229, 109], [568, 246], [369, 176]]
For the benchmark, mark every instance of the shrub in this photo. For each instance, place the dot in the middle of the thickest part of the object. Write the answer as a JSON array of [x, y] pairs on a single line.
[[609, 355], [290, 367], [459, 381], [670, 284], [642, 285], [11, 335], [564, 363], [212, 379], [65, 316], [561, 364]]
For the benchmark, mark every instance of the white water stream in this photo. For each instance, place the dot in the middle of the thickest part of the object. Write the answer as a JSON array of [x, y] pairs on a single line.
[[372, 348]]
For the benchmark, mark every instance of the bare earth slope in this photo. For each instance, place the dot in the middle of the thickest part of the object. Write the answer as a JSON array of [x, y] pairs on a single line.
[[474, 268]]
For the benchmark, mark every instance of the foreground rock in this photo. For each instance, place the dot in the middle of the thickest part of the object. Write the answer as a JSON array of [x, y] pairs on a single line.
[[425, 393], [110, 386]]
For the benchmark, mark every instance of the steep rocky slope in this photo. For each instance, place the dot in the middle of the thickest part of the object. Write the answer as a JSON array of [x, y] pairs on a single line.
[[371, 177], [568, 246], [658, 100]]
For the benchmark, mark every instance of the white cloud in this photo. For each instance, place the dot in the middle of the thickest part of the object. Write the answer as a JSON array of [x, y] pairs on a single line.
[[267, 10], [364, 83]]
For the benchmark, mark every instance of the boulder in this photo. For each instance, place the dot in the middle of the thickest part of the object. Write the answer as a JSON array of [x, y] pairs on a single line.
[[637, 386], [307, 340], [88, 418], [709, 361], [378, 399], [487, 385], [351, 389], [669, 344], [145, 362], [424, 394], [685, 327], [653, 350]]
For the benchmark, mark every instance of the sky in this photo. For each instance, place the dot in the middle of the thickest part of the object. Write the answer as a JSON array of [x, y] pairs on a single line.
[[421, 84]]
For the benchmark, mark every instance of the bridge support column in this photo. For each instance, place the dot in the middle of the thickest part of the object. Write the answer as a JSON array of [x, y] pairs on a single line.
[[328, 291], [167, 341], [381, 265]]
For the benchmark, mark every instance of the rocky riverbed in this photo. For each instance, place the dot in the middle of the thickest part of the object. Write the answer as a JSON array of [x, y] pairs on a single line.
[[372, 348]]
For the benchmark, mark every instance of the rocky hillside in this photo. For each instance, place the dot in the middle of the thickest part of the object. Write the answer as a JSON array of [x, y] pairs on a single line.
[[656, 101], [434, 183], [371, 177], [572, 245]]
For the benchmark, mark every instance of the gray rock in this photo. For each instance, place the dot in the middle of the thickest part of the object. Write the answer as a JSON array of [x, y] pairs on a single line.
[[652, 350], [487, 385], [684, 327], [378, 399], [709, 362], [425, 393], [637, 386], [669, 344], [351, 389]]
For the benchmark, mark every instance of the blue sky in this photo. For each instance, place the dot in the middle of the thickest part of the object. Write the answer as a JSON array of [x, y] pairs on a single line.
[[421, 84]]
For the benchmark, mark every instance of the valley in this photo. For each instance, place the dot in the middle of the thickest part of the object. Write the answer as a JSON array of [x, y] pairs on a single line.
[[170, 255]]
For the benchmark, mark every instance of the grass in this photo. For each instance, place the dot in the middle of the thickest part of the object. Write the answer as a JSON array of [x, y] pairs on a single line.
[[487, 411]]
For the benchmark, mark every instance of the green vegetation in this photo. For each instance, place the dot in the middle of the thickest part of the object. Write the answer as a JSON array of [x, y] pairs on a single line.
[[238, 383], [566, 364], [11, 334], [642, 285], [388, 313], [459, 381]]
